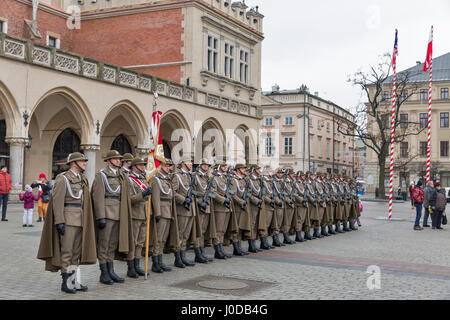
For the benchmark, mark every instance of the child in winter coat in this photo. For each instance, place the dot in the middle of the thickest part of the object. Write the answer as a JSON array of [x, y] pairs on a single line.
[[28, 198]]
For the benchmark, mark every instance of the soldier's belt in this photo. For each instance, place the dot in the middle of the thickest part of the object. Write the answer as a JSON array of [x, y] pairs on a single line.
[[112, 197], [166, 200], [76, 205]]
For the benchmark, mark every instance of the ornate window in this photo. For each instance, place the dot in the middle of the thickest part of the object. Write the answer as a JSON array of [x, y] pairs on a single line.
[[243, 66], [229, 60], [66, 143], [121, 144], [213, 46]]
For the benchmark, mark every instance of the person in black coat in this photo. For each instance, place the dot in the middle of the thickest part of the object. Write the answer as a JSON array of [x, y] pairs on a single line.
[[438, 202]]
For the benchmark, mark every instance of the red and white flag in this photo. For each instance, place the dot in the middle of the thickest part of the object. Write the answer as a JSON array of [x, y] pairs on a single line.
[[429, 57], [157, 153]]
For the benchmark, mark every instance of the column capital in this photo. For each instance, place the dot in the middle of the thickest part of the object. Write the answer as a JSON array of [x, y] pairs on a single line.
[[90, 147], [16, 141]]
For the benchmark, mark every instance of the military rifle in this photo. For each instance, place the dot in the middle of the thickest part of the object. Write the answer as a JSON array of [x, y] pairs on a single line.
[[205, 200], [279, 193], [188, 200], [228, 192], [261, 193], [245, 195], [305, 196], [292, 195]]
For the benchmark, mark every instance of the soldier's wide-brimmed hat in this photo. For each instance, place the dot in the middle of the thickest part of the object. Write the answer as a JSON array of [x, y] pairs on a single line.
[[239, 166], [76, 156], [205, 161], [167, 162], [112, 154], [219, 163], [289, 170], [137, 161], [320, 174], [127, 157], [255, 167], [280, 170], [309, 173], [300, 173], [182, 160]]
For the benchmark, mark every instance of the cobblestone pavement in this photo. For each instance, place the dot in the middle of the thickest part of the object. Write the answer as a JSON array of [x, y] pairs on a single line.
[[414, 265]]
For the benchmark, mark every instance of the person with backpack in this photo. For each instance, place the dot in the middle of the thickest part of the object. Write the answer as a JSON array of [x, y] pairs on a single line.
[[437, 203], [418, 197]]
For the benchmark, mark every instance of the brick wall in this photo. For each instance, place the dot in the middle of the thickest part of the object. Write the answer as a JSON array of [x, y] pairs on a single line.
[[137, 39], [16, 12]]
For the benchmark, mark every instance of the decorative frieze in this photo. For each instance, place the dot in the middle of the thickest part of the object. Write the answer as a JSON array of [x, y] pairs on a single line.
[[145, 84], [41, 56], [128, 79], [224, 104], [176, 92], [234, 106], [213, 101], [14, 49], [89, 69], [160, 87], [109, 74], [90, 147], [66, 63], [188, 94], [243, 108]]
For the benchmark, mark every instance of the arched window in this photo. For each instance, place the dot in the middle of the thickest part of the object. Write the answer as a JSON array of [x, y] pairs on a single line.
[[67, 143], [4, 147], [121, 144]]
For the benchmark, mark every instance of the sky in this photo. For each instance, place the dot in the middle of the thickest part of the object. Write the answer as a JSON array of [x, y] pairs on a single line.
[[322, 43]]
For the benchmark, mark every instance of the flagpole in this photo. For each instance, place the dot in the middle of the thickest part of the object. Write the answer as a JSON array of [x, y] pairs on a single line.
[[149, 201], [429, 112], [394, 101]]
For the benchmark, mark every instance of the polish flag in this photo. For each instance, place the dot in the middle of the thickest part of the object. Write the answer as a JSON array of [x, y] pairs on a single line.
[[429, 57]]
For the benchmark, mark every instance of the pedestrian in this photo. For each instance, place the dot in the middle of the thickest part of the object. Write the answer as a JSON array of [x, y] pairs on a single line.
[[5, 187], [437, 203], [417, 198], [28, 198], [44, 187], [361, 207], [411, 187], [428, 193]]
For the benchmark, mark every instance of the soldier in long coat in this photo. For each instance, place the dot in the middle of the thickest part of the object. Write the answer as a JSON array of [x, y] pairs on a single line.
[[291, 219], [301, 206], [68, 235], [182, 181], [313, 206], [339, 216], [242, 214], [139, 192], [112, 208], [270, 204], [331, 205], [347, 204], [324, 204], [280, 208]]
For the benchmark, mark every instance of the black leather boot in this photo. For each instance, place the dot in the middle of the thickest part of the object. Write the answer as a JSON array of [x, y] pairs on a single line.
[[65, 277], [330, 229], [131, 270], [78, 285], [308, 235], [264, 245], [266, 240], [317, 233], [228, 256], [242, 250], [162, 265], [199, 257], [236, 250], [155, 265], [338, 228], [178, 262], [287, 239], [105, 278], [138, 269], [352, 225], [346, 228], [208, 258], [112, 274], [218, 254], [185, 260], [276, 241], [252, 247], [299, 237], [323, 231]]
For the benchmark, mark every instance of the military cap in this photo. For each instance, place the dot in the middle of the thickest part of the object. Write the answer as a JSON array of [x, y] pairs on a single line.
[[300, 173], [185, 159], [76, 156], [320, 174], [219, 163], [205, 161], [127, 157], [308, 173], [255, 167], [289, 170], [112, 154], [280, 169], [168, 162], [137, 161], [239, 166], [337, 175]]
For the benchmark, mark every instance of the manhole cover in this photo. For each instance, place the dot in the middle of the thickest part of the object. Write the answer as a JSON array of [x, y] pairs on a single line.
[[222, 284]]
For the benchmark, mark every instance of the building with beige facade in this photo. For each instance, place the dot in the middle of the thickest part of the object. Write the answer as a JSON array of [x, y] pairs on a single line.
[[302, 130], [91, 89], [410, 155]]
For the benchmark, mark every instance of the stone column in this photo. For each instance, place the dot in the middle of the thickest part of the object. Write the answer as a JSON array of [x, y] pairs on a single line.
[[16, 160], [90, 151]]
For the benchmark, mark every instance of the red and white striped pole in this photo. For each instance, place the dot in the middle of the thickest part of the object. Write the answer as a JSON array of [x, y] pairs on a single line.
[[429, 109], [394, 102]]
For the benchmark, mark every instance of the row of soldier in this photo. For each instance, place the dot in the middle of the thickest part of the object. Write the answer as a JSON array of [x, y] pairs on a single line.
[[214, 205]]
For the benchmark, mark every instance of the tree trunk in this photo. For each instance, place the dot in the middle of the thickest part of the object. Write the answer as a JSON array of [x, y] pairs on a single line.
[[381, 177]]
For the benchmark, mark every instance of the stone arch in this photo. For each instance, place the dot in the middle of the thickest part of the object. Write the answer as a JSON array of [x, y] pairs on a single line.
[[9, 107], [176, 135], [210, 141], [79, 109], [246, 144], [134, 117]]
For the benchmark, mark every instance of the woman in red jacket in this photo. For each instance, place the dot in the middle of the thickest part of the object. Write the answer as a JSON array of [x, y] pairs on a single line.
[[5, 187]]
